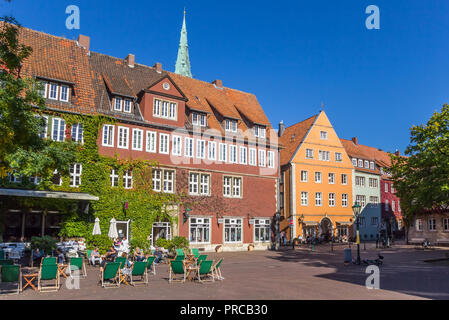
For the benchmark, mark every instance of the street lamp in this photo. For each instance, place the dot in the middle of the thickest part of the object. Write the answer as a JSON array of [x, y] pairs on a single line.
[[186, 215], [356, 211]]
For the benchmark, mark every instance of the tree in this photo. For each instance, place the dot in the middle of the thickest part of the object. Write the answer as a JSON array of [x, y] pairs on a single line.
[[421, 180], [22, 150]]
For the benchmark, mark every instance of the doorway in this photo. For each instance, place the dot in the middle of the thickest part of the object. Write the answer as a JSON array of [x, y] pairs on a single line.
[[160, 230]]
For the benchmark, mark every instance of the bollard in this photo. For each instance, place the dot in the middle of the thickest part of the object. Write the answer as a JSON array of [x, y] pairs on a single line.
[[313, 247]]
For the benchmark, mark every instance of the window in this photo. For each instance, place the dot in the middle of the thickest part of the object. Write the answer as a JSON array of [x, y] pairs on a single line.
[[331, 199], [360, 181], [199, 183], [157, 180], [252, 157], [77, 132], [137, 139], [123, 137], [392, 188], [164, 141], [127, 106], [233, 230], [232, 154], [243, 155], [270, 159], [446, 224], [374, 200], [259, 131], [323, 135], [361, 221], [344, 200], [199, 230], [35, 180], [309, 153], [366, 164], [324, 155], [304, 198], [198, 119], [418, 224], [58, 129], [373, 183], [354, 162], [318, 199], [222, 152], [432, 224], [64, 93], [360, 163], [386, 187], [304, 176], [212, 150], [176, 145], [331, 178], [232, 187], [188, 147], [128, 179], [108, 135], [371, 165], [262, 155], [75, 174], [114, 178], [361, 200], [43, 88], [317, 177], [151, 141], [168, 183], [118, 104], [374, 221], [44, 127], [53, 91], [200, 149], [338, 157], [344, 179], [231, 125], [14, 177], [387, 206], [262, 230], [165, 109], [393, 205]]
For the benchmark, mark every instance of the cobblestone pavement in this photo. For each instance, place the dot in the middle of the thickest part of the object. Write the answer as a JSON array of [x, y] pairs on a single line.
[[286, 274]]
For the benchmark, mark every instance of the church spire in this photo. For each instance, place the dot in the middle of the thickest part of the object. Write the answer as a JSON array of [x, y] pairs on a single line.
[[182, 66]]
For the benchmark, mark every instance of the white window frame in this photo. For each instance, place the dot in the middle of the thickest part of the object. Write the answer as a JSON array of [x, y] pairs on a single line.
[[127, 177], [320, 177], [262, 158], [304, 198], [252, 157], [222, 152], [344, 179], [331, 178], [77, 132], [164, 143], [151, 143], [262, 224], [318, 199], [270, 159], [176, 149], [243, 155], [129, 102], [304, 176], [168, 182], [60, 122], [331, 199], [232, 223], [109, 135], [116, 99], [323, 135], [344, 199], [75, 177], [200, 223], [114, 177], [233, 153], [338, 157], [50, 85], [188, 147], [137, 139], [201, 149], [309, 153], [60, 93], [122, 137], [212, 150]]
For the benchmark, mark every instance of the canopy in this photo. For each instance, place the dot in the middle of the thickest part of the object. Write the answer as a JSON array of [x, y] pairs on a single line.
[[113, 229], [310, 223], [48, 194], [96, 227]]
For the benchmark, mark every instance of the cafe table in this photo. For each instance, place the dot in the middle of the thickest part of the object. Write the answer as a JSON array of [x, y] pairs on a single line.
[[29, 278]]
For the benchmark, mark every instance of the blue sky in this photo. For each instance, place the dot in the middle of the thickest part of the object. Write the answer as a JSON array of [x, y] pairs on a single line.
[[293, 55]]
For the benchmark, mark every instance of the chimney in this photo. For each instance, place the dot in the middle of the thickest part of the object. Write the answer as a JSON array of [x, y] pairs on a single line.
[[281, 128], [130, 59], [354, 139], [397, 153], [84, 41], [218, 83], [158, 67], [380, 149]]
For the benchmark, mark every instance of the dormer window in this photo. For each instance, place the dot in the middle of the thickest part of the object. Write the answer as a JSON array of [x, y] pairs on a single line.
[[64, 93], [118, 104], [55, 91], [231, 125], [165, 109], [198, 119], [127, 106], [259, 131]]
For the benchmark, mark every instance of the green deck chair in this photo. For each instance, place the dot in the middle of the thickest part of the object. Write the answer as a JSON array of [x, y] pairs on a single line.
[[2, 254], [139, 270], [196, 252], [122, 261], [202, 257], [48, 272], [111, 272], [205, 269], [10, 274], [5, 262], [77, 264], [48, 261], [88, 256], [150, 264], [180, 256], [217, 270], [177, 268]]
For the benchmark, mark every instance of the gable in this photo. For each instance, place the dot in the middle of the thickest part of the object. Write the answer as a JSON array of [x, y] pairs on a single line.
[[166, 86]]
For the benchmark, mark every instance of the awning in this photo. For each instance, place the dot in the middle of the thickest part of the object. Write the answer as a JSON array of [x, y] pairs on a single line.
[[310, 223], [48, 194], [344, 223]]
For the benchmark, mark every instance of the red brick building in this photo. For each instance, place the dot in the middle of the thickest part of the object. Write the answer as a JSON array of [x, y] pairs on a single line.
[[212, 142]]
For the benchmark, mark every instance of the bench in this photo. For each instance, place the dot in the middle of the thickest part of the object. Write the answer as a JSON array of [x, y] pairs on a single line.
[[443, 241], [417, 241]]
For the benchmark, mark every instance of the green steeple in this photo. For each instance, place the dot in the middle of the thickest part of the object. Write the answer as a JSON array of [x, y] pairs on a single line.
[[182, 66]]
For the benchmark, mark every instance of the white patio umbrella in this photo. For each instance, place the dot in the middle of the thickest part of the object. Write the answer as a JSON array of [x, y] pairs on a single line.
[[113, 229], [96, 227]]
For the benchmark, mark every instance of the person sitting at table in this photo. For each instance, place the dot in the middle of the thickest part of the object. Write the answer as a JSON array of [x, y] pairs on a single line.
[[138, 254], [60, 256], [95, 256], [110, 255], [158, 253], [37, 256]]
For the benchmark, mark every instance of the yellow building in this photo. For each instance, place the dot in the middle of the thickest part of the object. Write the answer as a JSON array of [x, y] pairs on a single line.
[[316, 180]]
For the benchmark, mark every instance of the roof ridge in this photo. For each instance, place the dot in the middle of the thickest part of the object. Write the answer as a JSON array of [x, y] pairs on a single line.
[[293, 125], [45, 33]]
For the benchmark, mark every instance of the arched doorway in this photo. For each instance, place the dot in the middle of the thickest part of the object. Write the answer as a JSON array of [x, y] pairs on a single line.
[[326, 229]]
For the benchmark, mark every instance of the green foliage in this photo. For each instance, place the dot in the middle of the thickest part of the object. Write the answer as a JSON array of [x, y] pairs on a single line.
[[164, 243], [145, 245], [45, 244], [180, 243], [421, 179], [100, 241]]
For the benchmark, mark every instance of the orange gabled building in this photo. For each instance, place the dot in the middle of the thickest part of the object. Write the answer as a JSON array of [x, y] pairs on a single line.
[[316, 180]]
